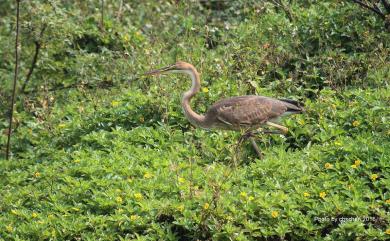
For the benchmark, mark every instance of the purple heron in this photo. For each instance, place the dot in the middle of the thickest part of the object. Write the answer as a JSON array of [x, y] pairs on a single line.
[[242, 113]]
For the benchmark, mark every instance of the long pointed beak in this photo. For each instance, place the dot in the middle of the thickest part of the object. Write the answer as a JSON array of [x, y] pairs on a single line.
[[160, 71]]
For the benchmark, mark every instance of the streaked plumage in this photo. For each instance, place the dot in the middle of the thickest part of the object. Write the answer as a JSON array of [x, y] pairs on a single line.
[[246, 113]]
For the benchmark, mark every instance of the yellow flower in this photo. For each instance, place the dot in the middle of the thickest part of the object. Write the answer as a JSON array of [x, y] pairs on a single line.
[[337, 143], [358, 162], [243, 195], [119, 200], [9, 228], [114, 103], [328, 165], [301, 122], [206, 206], [133, 217], [275, 214], [62, 125], [388, 231], [180, 208], [76, 161], [354, 166], [306, 194], [138, 196], [14, 212], [374, 177], [181, 179], [205, 90], [37, 174], [388, 201], [355, 123], [34, 215], [148, 175], [322, 195], [250, 198]]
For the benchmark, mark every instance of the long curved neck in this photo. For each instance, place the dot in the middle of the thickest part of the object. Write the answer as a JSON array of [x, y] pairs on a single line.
[[194, 118]]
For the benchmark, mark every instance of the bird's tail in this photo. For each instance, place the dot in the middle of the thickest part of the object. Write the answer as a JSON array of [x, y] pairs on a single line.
[[293, 106]]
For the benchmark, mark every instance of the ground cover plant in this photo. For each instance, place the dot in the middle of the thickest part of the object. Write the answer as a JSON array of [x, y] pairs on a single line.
[[100, 152]]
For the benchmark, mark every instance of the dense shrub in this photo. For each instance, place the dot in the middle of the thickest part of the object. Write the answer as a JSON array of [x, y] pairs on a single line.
[[102, 152]]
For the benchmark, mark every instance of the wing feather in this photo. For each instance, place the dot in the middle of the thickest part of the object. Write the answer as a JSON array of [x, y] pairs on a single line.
[[247, 111]]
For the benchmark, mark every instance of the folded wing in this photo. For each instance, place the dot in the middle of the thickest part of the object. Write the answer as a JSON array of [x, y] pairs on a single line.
[[248, 111]]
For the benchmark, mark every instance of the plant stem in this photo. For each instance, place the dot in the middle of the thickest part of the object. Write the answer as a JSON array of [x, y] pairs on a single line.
[[119, 14], [38, 45], [102, 15], [370, 8], [15, 79], [33, 64]]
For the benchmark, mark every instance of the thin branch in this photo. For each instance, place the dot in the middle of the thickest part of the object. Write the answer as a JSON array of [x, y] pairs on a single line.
[[386, 4], [33, 64], [285, 8], [119, 13], [38, 45], [375, 5], [370, 8], [102, 15], [15, 80]]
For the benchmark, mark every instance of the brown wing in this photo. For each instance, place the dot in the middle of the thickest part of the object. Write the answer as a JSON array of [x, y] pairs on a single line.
[[246, 111]]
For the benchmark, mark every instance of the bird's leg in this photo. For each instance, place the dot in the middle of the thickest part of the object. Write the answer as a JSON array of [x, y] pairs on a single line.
[[250, 135], [267, 132], [282, 128], [238, 149], [262, 131], [257, 149], [245, 136]]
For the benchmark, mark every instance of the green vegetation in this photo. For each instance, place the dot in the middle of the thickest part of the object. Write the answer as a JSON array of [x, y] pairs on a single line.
[[100, 152]]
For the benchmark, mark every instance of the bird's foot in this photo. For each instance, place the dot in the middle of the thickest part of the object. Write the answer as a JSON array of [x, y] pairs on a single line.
[[250, 135], [245, 136], [256, 148], [269, 132]]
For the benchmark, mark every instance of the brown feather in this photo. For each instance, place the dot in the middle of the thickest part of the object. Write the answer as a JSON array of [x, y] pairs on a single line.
[[245, 112], [237, 113]]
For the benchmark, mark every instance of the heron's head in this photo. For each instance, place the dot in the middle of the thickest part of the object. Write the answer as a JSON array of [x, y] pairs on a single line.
[[178, 67]]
